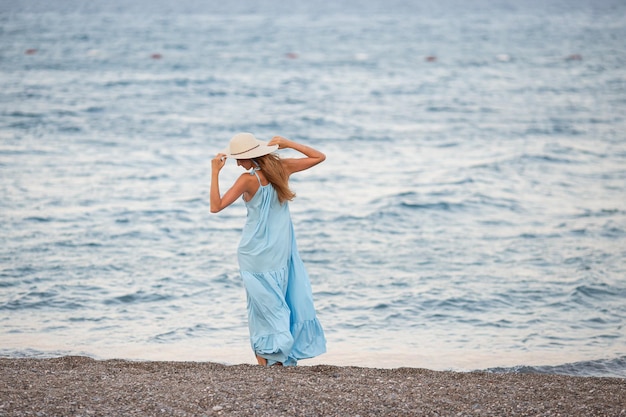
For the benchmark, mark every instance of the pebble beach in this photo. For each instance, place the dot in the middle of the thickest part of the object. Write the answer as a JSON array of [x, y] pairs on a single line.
[[81, 386]]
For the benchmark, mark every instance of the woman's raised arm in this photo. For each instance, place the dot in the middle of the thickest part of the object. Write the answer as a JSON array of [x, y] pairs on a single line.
[[313, 156], [219, 202]]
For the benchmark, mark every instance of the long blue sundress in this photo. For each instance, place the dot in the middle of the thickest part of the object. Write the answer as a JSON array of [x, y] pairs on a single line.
[[281, 316]]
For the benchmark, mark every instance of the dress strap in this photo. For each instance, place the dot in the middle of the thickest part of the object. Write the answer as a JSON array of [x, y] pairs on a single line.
[[253, 171]]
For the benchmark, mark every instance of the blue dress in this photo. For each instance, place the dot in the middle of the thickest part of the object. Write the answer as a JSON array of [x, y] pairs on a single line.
[[281, 316]]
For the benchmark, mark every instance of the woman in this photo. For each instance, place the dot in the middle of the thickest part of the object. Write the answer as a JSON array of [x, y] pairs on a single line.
[[281, 316]]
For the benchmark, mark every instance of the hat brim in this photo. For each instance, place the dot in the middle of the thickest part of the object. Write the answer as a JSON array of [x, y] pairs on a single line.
[[259, 150]]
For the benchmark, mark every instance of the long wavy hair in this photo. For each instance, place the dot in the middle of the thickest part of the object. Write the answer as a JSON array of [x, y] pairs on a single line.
[[275, 173]]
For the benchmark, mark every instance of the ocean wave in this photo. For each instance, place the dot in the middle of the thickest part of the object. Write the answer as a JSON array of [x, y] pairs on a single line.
[[139, 297], [41, 299], [615, 367]]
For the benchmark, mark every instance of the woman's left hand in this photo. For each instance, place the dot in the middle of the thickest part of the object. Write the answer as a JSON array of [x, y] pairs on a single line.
[[218, 162]]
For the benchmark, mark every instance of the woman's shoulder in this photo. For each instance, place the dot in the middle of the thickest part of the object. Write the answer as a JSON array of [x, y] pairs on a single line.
[[253, 178], [247, 180], [245, 177]]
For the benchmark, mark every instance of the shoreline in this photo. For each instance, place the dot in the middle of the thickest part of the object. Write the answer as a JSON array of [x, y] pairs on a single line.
[[77, 385], [604, 364]]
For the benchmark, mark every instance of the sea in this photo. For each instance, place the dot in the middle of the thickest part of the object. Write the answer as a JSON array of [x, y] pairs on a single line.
[[470, 214]]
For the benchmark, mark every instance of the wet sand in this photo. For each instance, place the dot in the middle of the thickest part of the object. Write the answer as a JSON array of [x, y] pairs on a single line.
[[80, 386]]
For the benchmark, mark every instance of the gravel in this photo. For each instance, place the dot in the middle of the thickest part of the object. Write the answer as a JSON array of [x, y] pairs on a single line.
[[80, 386]]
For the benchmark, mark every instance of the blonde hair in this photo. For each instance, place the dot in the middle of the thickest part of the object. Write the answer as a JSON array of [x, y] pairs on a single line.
[[275, 173]]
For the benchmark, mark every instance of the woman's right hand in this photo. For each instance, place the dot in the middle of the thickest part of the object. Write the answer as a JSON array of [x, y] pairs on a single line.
[[280, 141]]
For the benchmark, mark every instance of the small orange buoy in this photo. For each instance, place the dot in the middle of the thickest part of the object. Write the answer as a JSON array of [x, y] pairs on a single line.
[[430, 58], [31, 51], [574, 57], [503, 57], [291, 55], [156, 56]]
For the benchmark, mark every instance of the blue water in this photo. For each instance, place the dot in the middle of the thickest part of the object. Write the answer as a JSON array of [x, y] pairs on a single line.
[[470, 213]]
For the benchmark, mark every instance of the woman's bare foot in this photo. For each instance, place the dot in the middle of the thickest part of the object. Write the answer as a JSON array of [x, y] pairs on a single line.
[[261, 360]]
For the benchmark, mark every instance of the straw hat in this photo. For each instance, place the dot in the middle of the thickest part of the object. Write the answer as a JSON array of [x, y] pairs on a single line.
[[246, 146]]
